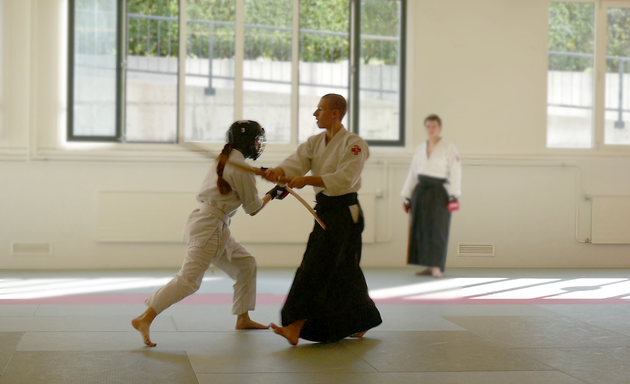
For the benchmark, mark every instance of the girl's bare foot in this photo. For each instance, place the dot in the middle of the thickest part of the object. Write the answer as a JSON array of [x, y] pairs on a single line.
[[142, 323], [244, 322], [359, 335], [291, 332], [435, 271]]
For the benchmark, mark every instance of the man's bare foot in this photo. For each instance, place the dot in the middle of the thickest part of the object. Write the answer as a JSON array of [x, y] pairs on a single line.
[[426, 272], [359, 335], [244, 322], [291, 332], [435, 272], [142, 323]]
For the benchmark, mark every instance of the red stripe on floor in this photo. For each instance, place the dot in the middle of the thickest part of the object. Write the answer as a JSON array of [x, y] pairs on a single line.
[[267, 299]]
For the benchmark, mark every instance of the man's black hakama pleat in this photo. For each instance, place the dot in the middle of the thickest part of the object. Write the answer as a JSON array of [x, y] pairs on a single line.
[[430, 221], [329, 289]]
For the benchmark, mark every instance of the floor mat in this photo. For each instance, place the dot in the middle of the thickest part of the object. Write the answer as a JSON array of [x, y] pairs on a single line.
[[8, 344], [112, 367]]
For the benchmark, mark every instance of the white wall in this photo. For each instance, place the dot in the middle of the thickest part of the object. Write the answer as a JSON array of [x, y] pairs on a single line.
[[463, 55]]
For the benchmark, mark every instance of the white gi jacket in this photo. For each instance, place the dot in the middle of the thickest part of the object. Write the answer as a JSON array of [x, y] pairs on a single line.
[[339, 163], [444, 163], [201, 224]]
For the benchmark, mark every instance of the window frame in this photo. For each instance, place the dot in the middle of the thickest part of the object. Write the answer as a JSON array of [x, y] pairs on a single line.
[[121, 72], [355, 70], [120, 81], [599, 79]]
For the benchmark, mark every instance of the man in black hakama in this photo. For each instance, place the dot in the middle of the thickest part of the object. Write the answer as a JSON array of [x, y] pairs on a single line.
[[329, 288], [329, 300]]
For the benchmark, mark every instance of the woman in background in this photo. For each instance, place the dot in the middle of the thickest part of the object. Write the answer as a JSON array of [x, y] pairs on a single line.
[[431, 192]]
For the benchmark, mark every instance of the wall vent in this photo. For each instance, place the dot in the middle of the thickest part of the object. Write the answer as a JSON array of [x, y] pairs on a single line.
[[475, 250], [31, 249]]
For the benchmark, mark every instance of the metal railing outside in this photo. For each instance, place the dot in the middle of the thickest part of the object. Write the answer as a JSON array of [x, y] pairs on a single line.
[[209, 40], [568, 64]]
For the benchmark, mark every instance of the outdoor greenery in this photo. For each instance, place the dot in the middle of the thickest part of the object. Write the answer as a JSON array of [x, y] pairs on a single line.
[[324, 28], [572, 30]]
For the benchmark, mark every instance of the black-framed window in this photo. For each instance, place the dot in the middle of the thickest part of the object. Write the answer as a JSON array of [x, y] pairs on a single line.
[[124, 68]]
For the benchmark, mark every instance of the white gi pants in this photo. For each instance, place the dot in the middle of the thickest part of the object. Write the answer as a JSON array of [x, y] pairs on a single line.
[[225, 253]]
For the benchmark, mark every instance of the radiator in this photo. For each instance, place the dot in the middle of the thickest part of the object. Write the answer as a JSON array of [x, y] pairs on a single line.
[[610, 220], [150, 217]]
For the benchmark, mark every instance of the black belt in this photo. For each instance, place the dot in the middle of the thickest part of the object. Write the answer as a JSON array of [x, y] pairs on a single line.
[[432, 181], [325, 203]]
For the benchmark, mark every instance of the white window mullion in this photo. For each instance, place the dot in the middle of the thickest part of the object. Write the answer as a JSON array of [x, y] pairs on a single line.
[[295, 72], [599, 104], [239, 56], [181, 74]]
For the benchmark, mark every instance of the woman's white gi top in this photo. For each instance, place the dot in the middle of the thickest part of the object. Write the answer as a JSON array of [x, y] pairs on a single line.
[[444, 163], [339, 163], [202, 222]]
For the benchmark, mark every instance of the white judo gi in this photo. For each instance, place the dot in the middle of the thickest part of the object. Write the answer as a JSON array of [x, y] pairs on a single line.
[[207, 233], [339, 163], [443, 163]]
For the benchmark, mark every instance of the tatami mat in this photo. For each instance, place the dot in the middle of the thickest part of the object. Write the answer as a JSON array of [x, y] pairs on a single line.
[[8, 344], [89, 339], [112, 367]]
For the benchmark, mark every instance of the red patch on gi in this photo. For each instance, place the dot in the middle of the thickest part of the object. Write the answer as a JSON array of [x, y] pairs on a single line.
[[456, 158], [356, 150]]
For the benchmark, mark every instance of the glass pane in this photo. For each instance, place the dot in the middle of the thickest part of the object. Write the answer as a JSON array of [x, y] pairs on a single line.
[[570, 83], [617, 115], [151, 84], [94, 87], [324, 57], [267, 67], [209, 69], [379, 96]]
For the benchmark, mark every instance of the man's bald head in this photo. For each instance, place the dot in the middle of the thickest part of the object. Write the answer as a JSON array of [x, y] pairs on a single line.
[[336, 102]]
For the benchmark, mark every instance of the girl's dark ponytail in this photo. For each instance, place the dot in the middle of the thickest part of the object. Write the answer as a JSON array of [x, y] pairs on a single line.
[[223, 185]]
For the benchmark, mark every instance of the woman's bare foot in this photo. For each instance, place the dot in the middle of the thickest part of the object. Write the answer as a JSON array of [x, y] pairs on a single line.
[[435, 272], [426, 272], [291, 332], [244, 322], [359, 335], [142, 323]]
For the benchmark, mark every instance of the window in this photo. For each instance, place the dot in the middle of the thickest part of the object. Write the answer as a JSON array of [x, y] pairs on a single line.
[[570, 85], [94, 60], [272, 66], [380, 86], [617, 79], [584, 109], [210, 68]]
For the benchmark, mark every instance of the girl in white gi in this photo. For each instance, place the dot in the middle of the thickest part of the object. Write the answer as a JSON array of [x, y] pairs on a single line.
[[431, 190], [207, 232]]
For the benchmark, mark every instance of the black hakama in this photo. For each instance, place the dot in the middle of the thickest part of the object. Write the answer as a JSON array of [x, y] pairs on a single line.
[[329, 289], [430, 221]]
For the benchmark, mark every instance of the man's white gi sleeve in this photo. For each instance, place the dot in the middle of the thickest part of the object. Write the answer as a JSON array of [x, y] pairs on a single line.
[[299, 163]]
